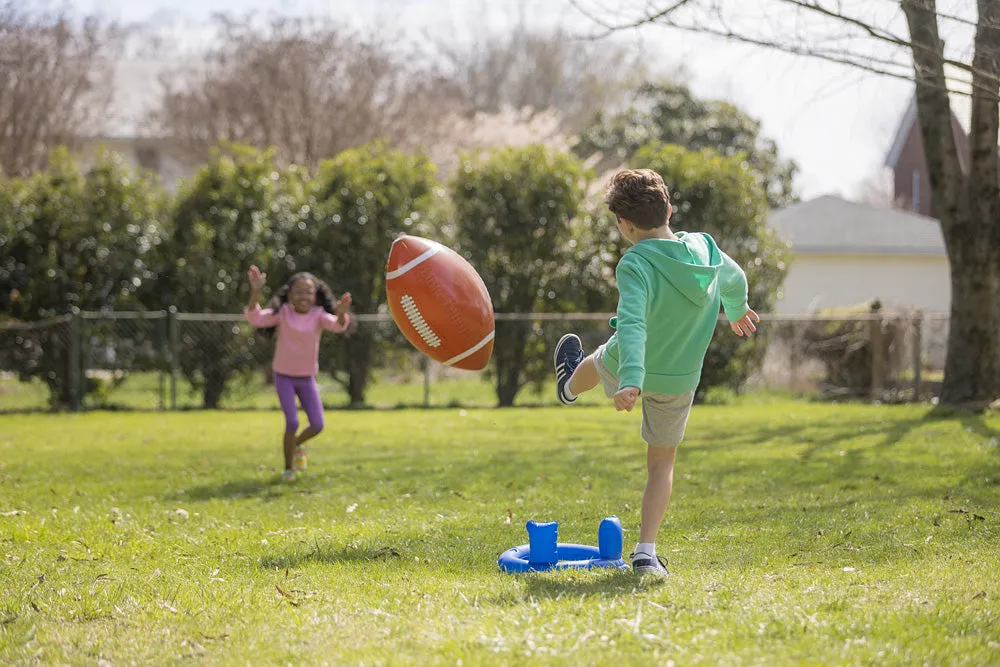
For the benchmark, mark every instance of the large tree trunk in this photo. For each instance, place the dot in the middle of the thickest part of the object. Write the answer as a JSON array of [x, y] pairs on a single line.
[[359, 355], [509, 355], [968, 203], [216, 377], [972, 367]]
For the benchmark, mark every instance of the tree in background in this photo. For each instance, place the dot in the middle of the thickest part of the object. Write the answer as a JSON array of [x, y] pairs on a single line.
[[309, 88], [669, 113], [236, 211], [713, 193], [514, 211], [358, 203], [74, 239], [521, 67], [55, 81]]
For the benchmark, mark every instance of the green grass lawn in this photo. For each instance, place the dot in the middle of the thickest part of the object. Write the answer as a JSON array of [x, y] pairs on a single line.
[[798, 533]]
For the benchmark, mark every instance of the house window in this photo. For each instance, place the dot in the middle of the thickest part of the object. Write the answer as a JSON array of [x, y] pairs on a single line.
[[916, 191], [148, 157]]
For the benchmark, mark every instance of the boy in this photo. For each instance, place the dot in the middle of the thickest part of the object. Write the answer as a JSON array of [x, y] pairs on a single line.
[[670, 287]]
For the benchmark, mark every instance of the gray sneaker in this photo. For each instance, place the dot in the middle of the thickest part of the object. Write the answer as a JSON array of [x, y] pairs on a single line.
[[646, 564]]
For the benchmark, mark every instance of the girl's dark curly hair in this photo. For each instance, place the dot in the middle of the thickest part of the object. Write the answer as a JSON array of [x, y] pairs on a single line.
[[324, 295]]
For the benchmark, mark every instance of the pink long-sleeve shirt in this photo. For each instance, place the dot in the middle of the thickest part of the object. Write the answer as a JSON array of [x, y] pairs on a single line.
[[297, 351]]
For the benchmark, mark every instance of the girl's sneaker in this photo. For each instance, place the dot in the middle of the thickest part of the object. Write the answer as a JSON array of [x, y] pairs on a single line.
[[289, 475], [301, 460]]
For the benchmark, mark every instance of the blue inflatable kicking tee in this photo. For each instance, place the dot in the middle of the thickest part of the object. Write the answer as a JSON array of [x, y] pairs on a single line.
[[544, 551]]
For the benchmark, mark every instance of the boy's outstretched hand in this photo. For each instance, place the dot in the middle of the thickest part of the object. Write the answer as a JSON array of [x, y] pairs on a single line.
[[626, 398], [746, 325]]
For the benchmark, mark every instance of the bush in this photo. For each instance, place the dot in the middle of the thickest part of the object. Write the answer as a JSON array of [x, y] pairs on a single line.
[[514, 216], [71, 238], [236, 211], [668, 113], [358, 203]]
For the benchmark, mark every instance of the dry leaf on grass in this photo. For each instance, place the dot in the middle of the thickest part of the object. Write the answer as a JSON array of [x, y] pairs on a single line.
[[288, 596]]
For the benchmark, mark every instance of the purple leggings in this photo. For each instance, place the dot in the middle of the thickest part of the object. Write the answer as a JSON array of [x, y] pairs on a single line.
[[287, 387]]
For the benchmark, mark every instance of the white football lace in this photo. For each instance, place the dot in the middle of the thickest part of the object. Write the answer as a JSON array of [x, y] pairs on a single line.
[[418, 322]]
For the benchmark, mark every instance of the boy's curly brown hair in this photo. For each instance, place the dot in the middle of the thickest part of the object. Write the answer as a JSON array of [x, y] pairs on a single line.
[[640, 196]]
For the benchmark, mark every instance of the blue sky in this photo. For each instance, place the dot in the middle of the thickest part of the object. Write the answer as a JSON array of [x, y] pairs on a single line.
[[836, 123]]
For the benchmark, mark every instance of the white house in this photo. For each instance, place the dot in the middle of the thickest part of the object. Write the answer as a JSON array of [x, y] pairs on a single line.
[[845, 253], [128, 128]]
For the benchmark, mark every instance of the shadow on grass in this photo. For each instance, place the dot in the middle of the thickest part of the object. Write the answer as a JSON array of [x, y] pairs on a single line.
[[973, 422], [331, 555], [581, 584], [268, 487], [891, 432], [237, 488], [805, 453]]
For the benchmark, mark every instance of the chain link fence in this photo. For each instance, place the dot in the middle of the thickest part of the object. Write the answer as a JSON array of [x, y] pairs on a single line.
[[166, 360], [37, 361], [122, 356], [885, 356]]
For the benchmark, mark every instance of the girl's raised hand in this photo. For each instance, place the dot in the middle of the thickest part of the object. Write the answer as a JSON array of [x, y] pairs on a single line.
[[343, 303], [257, 279]]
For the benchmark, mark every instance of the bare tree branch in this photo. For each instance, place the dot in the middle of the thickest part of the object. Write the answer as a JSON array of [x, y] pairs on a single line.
[[862, 62], [534, 69], [55, 82], [877, 33], [309, 88], [611, 28], [719, 26]]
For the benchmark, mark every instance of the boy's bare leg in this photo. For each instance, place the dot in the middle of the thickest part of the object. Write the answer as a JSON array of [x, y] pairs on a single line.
[[659, 484], [585, 377]]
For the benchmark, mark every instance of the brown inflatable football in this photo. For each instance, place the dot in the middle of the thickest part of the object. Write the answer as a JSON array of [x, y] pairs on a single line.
[[440, 303]]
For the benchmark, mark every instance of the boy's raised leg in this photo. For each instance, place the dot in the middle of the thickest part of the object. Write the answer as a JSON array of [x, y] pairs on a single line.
[[585, 377], [568, 355]]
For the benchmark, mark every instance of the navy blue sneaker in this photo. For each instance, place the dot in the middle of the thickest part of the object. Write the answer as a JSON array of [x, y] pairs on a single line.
[[646, 564], [569, 354]]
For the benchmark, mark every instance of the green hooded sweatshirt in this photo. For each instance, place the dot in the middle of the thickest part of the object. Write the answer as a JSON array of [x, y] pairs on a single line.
[[669, 293]]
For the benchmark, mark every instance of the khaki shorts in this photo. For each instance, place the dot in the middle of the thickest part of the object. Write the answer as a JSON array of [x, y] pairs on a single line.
[[664, 416]]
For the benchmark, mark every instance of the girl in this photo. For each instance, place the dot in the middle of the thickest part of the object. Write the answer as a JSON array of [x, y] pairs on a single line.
[[300, 311]]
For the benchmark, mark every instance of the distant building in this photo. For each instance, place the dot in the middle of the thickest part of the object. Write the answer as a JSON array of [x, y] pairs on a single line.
[[845, 253], [906, 159], [128, 130]]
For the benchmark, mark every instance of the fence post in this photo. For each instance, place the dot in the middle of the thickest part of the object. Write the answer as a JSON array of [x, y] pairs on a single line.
[[793, 357], [427, 381], [162, 389], [173, 338], [75, 359], [918, 358], [878, 365]]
